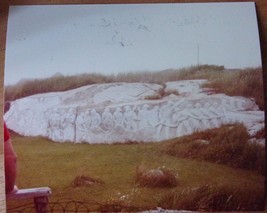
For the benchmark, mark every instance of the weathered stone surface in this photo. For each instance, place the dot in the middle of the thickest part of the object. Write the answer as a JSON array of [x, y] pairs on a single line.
[[121, 112]]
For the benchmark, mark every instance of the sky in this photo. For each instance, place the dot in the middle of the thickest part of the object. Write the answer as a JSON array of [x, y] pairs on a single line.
[[43, 40]]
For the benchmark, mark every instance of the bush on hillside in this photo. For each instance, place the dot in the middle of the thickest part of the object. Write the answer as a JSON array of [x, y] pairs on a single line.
[[228, 144], [246, 83]]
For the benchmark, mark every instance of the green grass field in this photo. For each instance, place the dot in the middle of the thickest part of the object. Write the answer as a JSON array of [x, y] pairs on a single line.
[[45, 163]]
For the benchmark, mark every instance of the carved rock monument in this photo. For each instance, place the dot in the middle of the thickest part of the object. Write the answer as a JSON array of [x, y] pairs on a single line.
[[125, 112]]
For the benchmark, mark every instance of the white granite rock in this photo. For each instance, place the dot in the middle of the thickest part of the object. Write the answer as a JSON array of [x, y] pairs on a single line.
[[123, 112]]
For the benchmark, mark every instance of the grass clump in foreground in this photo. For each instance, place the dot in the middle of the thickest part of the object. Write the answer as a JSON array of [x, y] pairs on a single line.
[[160, 177], [228, 144], [213, 197]]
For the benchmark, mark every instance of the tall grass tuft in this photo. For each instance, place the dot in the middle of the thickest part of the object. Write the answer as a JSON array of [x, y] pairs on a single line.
[[160, 177], [260, 134], [247, 83], [200, 72], [213, 197], [228, 144]]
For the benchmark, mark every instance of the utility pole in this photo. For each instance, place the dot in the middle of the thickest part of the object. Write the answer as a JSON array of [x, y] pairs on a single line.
[[198, 55]]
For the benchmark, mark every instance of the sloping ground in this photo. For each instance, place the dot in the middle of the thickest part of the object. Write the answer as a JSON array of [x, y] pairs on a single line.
[[123, 112]]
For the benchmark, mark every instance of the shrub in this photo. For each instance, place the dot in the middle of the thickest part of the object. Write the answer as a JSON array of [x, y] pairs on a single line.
[[246, 83], [211, 197], [171, 91], [228, 144], [161, 177], [152, 97], [260, 133]]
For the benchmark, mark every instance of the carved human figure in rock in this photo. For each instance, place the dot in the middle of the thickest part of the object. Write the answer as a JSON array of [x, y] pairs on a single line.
[[159, 124], [225, 102], [47, 114], [153, 116], [216, 115], [80, 130], [178, 117], [197, 112], [107, 119], [181, 118], [86, 126], [234, 104], [240, 104], [118, 118], [68, 124], [55, 125], [206, 115], [130, 119], [143, 115], [96, 119], [165, 120], [195, 116]]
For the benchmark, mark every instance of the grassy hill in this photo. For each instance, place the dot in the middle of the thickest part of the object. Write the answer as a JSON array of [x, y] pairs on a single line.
[[245, 82]]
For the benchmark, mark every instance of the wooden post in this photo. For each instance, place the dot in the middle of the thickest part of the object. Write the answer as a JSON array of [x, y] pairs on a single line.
[[40, 204], [39, 195]]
